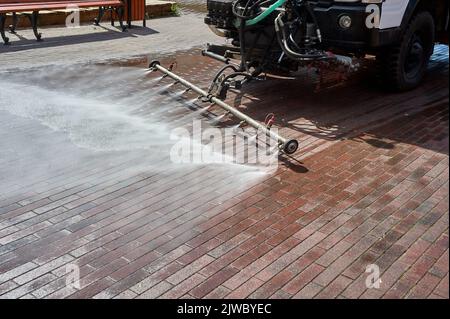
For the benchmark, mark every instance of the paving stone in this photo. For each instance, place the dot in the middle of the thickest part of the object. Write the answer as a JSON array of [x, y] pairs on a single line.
[[372, 186]]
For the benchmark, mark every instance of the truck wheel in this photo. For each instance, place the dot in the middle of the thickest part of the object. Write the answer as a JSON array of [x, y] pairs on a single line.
[[403, 66]]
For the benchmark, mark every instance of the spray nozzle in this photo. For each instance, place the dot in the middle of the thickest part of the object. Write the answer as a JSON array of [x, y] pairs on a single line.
[[270, 120]]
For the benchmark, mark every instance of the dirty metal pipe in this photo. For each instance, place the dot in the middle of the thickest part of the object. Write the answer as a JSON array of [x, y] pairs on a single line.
[[288, 146], [215, 56]]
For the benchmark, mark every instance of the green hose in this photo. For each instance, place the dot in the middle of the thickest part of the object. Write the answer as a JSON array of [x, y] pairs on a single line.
[[264, 14]]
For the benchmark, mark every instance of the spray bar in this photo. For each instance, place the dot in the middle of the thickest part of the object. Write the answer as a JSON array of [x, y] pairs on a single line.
[[288, 146]]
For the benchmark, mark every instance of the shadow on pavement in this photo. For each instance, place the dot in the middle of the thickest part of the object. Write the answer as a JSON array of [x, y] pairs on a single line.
[[109, 34]]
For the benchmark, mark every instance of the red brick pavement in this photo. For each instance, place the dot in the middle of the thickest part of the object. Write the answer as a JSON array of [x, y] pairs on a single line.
[[371, 188]]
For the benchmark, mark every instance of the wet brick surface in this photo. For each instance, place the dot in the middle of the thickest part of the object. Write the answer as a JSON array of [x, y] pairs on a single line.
[[369, 185]]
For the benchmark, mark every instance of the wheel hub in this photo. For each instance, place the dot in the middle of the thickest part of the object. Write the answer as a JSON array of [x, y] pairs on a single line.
[[415, 57]]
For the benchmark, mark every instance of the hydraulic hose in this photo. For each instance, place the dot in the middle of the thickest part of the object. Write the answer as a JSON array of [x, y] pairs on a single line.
[[283, 41], [246, 9], [265, 13]]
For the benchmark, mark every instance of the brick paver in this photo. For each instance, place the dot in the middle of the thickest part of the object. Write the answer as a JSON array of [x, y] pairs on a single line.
[[368, 186]]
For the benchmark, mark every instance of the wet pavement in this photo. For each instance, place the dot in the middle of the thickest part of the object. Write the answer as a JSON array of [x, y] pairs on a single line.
[[88, 181], [90, 44]]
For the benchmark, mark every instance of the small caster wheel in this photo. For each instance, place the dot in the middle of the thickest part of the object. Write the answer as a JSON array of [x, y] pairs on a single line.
[[290, 147]]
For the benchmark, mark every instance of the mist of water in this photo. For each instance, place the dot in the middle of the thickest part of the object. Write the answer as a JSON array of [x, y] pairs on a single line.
[[95, 113], [217, 119]]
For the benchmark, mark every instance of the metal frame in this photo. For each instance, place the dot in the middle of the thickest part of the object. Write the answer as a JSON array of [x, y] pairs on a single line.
[[288, 146], [34, 20], [2, 28]]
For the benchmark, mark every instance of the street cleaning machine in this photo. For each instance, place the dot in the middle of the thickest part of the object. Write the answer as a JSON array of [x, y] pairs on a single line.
[[282, 36]]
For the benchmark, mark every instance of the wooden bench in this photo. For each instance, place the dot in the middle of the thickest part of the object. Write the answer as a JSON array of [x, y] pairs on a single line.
[[31, 8]]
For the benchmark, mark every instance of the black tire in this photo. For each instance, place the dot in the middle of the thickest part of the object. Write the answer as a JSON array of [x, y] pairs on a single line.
[[402, 67]]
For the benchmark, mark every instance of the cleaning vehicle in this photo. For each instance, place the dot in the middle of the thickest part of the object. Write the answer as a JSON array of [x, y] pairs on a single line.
[[281, 36]]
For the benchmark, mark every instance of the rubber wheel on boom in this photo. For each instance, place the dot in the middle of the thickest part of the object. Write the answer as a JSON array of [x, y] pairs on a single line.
[[402, 67], [290, 147]]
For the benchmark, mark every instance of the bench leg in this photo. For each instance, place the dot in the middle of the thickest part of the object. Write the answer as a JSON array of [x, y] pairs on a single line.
[[101, 11], [34, 17], [111, 13], [2, 28], [120, 13], [128, 3], [15, 22]]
